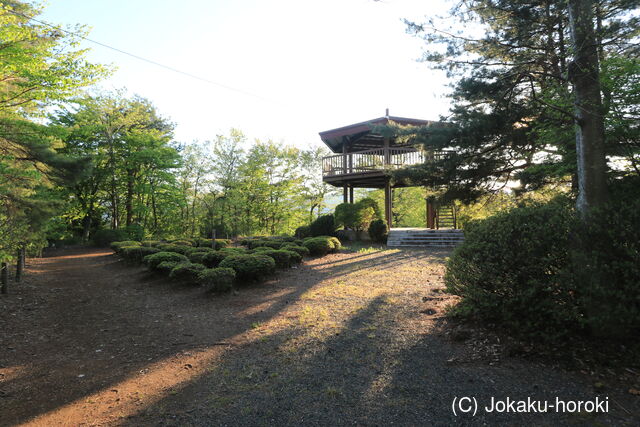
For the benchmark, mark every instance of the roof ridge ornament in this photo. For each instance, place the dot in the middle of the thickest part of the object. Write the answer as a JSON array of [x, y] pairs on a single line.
[[386, 114]]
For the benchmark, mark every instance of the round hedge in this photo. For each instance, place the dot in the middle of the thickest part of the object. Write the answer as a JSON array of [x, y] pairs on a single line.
[[301, 250], [250, 267], [166, 266], [154, 260], [186, 272], [116, 246], [282, 258], [135, 254], [217, 279], [320, 246]]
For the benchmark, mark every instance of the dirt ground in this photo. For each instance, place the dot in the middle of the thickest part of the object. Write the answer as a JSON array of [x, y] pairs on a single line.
[[355, 338]]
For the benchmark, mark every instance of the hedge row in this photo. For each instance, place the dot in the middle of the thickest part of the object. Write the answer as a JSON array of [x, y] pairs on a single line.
[[218, 269]]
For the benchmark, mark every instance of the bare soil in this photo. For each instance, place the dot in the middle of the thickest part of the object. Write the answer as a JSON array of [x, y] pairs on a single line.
[[355, 338]]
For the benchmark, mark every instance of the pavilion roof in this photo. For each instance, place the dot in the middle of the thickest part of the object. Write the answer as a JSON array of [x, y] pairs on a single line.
[[359, 135]]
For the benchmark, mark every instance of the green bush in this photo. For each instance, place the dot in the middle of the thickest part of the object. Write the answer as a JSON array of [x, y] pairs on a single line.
[[179, 249], [182, 242], [510, 270], [302, 232], [166, 267], [250, 267], [322, 226], [319, 246], [301, 250], [192, 251], [294, 257], [151, 243], [378, 231], [254, 243], [282, 258], [217, 279], [186, 272], [121, 244], [210, 259], [135, 254], [135, 232], [104, 238], [606, 273], [154, 260], [233, 251], [345, 214]]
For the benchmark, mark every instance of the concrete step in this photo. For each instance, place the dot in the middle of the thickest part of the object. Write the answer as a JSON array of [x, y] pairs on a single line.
[[425, 237]]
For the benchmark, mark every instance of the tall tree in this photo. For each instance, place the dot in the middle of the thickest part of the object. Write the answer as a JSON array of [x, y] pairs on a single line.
[[512, 116], [584, 73]]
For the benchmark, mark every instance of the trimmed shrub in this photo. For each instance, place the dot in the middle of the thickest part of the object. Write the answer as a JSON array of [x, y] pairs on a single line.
[[104, 238], [510, 270], [233, 251], [250, 267], [319, 246], [217, 279], [298, 242], [211, 259], [150, 242], [192, 251], [117, 245], [335, 244], [322, 226], [135, 254], [282, 258], [154, 260], [186, 272], [165, 267], [294, 257], [301, 250], [182, 242], [261, 249], [378, 231]]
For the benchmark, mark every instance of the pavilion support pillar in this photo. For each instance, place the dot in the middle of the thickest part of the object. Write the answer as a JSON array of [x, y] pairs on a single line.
[[351, 195], [345, 193], [388, 198], [431, 214]]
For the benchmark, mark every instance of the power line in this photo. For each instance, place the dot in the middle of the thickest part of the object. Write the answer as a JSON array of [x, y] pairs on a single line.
[[138, 57]]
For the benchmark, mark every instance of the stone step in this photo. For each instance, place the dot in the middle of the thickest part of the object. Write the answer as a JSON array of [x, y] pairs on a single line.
[[425, 237]]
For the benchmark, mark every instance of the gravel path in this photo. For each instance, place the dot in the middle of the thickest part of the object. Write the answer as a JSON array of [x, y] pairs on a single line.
[[348, 339]]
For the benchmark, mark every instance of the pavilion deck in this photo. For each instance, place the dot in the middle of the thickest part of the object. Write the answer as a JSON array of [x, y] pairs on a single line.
[[369, 168]]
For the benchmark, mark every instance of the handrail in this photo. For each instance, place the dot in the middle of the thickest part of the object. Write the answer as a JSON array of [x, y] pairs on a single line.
[[378, 159]]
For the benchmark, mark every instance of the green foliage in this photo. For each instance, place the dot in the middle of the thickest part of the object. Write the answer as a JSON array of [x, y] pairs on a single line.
[[358, 215], [217, 279], [606, 273], [322, 245], [151, 243], [154, 260], [509, 270], [187, 272], [135, 254], [378, 231], [165, 267], [324, 225], [282, 258], [294, 257], [181, 242], [542, 274], [301, 250], [303, 231], [250, 267], [103, 238], [116, 246]]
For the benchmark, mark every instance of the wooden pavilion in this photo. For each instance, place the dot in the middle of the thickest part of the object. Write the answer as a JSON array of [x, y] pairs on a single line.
[[364, 159]]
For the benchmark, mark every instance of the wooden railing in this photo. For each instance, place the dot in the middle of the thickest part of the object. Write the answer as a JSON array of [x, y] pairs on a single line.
[[377, 160]]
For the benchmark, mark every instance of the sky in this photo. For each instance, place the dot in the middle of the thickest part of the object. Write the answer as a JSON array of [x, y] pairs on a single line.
[[297, 67]]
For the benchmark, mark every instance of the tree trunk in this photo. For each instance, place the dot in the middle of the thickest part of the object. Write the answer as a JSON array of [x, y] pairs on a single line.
[[585, 76], [86, 227], [129, 200]]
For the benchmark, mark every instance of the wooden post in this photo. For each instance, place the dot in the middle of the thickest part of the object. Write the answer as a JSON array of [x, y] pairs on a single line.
[[351, 194], [388, 215], [19, 264], [431, 214], [4, 278], [345, 193]]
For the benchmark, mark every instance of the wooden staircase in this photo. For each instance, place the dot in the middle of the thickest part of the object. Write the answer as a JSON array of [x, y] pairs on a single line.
[[446, 217], [424, 237]]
